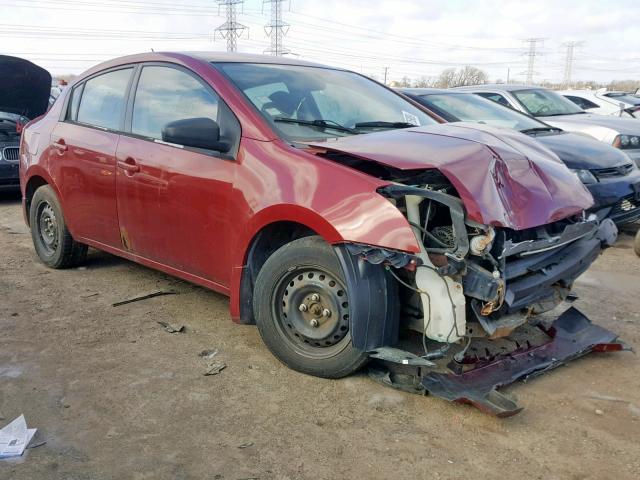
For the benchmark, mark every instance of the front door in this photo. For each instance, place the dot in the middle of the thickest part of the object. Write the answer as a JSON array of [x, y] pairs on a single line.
[[173, 201]]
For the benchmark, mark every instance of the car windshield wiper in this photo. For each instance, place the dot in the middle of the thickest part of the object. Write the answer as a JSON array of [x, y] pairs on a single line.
[[320, 123], [381, 124], [539, 129], [556, 114]]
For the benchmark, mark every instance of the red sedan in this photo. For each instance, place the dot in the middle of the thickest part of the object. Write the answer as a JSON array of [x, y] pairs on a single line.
[[334, 212]]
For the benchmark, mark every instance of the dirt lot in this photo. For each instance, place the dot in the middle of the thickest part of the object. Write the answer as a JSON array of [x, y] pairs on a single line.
[[116, 397]]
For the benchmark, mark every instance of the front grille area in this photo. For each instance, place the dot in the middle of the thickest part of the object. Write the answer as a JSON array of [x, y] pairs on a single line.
[[620, 171], [627, 209], [11, 154], [541, 263]]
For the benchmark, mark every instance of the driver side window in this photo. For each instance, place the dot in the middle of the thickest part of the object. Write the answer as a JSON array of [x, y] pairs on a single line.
[[167, 94]]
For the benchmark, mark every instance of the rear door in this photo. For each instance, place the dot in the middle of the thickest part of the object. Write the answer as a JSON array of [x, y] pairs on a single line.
[[82, 158], [173, 201]]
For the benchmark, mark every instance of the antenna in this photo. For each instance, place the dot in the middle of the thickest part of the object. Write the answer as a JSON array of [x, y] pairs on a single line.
[[276, 29], [230, 30]]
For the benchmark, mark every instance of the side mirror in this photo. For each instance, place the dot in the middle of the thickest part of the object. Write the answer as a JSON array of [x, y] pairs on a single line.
[[195, 132]]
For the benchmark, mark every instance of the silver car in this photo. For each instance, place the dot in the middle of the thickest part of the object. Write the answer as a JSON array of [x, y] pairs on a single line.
[[554, 109]]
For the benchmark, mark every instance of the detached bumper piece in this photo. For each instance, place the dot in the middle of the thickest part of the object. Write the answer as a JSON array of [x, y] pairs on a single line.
[[572, 336]]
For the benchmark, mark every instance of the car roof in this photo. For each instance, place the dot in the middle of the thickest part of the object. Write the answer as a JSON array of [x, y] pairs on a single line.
[[424, 91], [234, 57], [498, 86], [208, 57]]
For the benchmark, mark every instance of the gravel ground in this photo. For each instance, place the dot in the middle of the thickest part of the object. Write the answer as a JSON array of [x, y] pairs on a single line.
[[115, 396]]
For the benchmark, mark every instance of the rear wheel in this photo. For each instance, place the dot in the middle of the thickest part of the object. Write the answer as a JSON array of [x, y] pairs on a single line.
[[301, 306], [52, 240]]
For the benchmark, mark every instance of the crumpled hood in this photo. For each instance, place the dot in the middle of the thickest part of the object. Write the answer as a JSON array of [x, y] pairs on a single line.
[[503, 177], [583, 152], [24, 87]]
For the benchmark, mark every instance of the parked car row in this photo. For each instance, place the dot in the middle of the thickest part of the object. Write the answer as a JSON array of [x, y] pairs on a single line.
[[347, 221], [603, 102], [609, 174]]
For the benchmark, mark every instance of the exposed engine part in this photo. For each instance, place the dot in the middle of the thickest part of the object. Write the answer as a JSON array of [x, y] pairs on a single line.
[[443, 300], [445, 235], [482, 243]]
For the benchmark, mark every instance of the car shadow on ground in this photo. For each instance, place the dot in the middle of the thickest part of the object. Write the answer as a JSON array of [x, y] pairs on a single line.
[[9, 197]]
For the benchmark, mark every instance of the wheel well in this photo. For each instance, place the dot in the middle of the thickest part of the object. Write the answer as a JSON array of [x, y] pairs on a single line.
[[33, 184], [263, 245]]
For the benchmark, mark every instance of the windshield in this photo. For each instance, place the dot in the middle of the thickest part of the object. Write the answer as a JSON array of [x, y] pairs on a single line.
[[311, 103], [545, 103], [468, 107], [624, 97]]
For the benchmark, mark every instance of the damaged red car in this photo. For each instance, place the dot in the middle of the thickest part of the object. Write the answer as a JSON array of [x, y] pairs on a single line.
[[338, 216]]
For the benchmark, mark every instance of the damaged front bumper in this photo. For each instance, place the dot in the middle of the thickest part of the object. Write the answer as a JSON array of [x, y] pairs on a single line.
[[474, 296], [474, 380]]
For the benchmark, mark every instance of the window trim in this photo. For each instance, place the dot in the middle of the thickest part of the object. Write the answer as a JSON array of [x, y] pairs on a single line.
[[64, 117], [130, 101]]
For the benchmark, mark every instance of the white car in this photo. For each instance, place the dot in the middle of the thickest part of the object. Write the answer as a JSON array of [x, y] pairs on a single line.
[[604, 102], [554, 109]]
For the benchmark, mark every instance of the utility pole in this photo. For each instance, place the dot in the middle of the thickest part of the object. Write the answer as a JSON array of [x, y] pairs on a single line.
[[386, 69], [568, 62], [532, 54], [276, 29], [230, 30]]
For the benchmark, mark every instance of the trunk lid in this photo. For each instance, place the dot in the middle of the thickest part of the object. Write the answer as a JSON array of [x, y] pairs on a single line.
[[24, 87]]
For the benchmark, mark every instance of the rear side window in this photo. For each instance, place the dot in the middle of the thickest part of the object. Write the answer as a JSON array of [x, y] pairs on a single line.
[[103, 99], [582, 102], [165, 95], [495, 97]]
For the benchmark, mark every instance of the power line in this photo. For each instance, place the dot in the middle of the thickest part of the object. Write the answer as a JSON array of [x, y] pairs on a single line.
[[231, 30], [276, 29]]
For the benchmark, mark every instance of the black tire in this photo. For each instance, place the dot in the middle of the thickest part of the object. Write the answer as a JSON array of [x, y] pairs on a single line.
[[51, 238], [306, 271]]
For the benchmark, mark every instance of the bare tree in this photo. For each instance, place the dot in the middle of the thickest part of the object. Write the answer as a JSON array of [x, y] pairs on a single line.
[[465, 76], [425, 82]]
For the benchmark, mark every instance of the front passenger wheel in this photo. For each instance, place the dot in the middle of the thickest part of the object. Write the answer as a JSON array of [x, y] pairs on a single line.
[[301, 305], [51, 238]]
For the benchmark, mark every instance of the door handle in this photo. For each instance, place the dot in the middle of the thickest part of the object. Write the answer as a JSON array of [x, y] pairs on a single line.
[[60, 145], [129, 165]]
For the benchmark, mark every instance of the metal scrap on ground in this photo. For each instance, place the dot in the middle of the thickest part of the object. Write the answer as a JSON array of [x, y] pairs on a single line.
[[145, 297], [214, 368], [172, 328]]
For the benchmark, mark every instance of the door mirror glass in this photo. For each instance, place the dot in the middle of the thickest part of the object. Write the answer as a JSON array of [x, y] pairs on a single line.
[[195, 132]]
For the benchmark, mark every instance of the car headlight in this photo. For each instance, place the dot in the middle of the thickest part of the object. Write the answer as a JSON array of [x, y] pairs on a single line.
[[585, 176], [627, 141]]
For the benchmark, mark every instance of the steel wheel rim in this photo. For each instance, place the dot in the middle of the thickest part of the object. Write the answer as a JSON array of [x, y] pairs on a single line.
[[326, 302], [48, 228]]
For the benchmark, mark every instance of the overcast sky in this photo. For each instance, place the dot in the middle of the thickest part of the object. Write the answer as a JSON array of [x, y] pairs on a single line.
[[411, 38]]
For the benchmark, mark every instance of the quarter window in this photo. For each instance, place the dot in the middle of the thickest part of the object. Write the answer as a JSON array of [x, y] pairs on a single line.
[[165, 95], [102, 103]]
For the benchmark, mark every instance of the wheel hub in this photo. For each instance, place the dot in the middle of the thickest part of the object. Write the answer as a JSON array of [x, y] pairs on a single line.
[[315, 308], [48, 227]]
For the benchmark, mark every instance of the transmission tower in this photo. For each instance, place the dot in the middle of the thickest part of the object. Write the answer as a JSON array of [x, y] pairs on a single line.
[[532, 54], [276, 29], [230, 30], [568, 62]]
